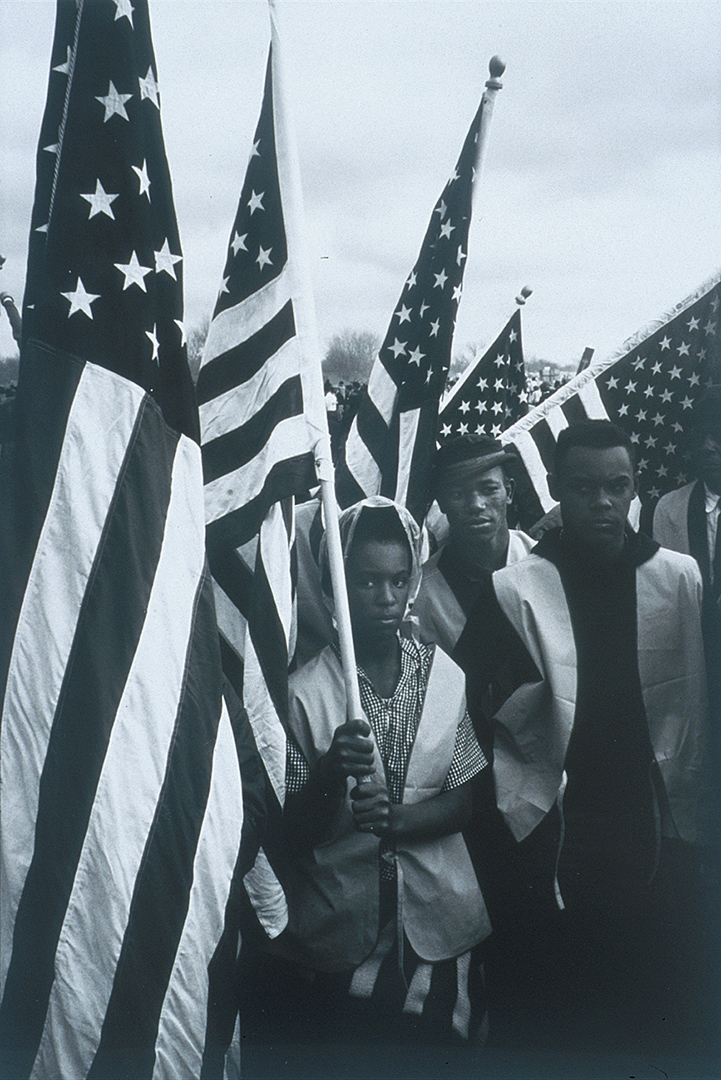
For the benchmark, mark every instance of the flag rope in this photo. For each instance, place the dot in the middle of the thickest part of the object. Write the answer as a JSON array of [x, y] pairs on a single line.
[[66, 105]]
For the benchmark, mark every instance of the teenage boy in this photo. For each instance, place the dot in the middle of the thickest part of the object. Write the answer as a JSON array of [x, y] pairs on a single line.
[[600, 755]]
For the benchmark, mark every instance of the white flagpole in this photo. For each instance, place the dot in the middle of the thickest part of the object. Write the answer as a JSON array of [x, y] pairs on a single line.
[[496, 67], [325, 471], [312, 375]]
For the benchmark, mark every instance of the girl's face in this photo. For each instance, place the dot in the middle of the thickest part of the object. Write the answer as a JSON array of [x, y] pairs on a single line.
[[378, 573]]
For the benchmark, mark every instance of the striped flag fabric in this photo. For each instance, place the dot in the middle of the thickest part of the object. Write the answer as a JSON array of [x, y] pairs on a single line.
[[262, 413], [490, 394], [392, 438], [649, 387], [120, 789]]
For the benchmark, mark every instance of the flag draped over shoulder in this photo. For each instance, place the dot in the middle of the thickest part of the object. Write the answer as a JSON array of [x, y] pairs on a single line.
[[648, 387], [262, 412], [490, 394], [392, 437], [120, 788]]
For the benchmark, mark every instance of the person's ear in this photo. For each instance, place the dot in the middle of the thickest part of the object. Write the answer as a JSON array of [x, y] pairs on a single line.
[[553, 486], [510, 488]]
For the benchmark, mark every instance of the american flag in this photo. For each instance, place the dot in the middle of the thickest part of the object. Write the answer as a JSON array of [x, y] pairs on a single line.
[[648, 387], [392, 438], [262, 413], [120, 789], [490, 394]]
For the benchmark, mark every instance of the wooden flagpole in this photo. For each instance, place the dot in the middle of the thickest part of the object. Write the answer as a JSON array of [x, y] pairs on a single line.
[[304, 311], [325, 473], [496, 67]]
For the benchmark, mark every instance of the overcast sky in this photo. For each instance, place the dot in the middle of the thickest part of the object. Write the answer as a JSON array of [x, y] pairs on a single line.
[[601, 187]]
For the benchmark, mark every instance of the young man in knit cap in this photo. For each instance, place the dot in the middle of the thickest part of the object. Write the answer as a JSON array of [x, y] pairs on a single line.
[[473, 489]]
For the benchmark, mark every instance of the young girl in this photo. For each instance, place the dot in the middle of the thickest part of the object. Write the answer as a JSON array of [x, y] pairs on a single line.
[[384, 904]]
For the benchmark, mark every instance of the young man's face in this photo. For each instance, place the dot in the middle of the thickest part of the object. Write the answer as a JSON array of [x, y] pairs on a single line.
[[595, 487], [476, 505], [378, 574]]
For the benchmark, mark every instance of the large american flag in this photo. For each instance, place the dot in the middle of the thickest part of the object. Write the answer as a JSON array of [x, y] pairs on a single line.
[[392, 438], [490, 394], [649, 387], [262, 413], [120, 789]]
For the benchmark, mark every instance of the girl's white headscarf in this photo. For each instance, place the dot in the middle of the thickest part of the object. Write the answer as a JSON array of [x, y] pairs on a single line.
[[347, 523]]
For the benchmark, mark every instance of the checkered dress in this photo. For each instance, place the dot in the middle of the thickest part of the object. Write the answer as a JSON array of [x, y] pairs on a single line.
[[394, 721], [395, 989]]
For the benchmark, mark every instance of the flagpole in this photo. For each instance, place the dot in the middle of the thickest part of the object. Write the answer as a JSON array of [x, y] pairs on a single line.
[[496, 67], [325, 473], [313, 375]]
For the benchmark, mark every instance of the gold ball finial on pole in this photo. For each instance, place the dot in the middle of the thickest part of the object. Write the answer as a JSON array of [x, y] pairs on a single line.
[[523, 295], [496, 67]]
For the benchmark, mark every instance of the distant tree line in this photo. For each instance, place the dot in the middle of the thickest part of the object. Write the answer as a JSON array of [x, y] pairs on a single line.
[[347, 363]]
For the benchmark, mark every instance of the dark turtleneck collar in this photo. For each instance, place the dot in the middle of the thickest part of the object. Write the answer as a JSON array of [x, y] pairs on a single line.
[[554, 546]]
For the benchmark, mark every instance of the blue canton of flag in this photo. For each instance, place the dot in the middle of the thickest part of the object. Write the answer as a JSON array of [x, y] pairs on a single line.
[[392, 438], [104, 246], [256, 443], [649, 387], [490, 394]]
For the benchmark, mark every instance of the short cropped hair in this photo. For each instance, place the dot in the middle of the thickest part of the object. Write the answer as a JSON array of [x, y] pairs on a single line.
[[598, 434]]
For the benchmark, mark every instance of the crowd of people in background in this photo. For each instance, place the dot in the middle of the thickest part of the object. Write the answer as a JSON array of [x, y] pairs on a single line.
[[343, 398], [341, 405], [539, 386], [341, 402]]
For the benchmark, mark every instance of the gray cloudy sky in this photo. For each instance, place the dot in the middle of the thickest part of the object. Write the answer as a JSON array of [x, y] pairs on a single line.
[[600, 190]]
